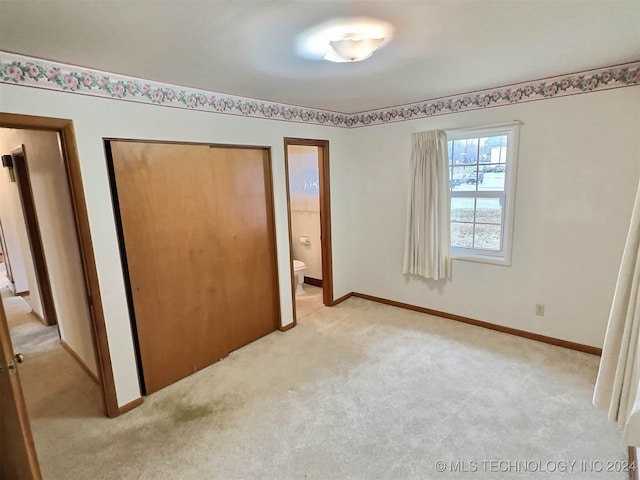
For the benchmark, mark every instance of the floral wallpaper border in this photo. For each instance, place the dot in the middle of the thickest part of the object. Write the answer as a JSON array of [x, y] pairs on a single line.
[[33, 72], [626, 75]]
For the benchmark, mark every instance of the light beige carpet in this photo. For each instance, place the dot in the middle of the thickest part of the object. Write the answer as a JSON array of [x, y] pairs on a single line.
[[357, 391]]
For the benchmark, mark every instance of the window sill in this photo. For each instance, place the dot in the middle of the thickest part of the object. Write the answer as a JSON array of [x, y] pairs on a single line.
[[502, 261]]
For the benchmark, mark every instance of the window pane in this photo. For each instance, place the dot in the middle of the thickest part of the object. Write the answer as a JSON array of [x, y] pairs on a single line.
[[493, 176], [450, 151], [456, 177], [484, 150], [462, 235], [498, 146], [488, 210], [467, 178], [493, 149], [465, 151], [462, 209], [476, 177], [488, 237]]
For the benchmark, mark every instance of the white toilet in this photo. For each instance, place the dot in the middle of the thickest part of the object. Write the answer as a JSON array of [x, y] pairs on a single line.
[[298, 269]]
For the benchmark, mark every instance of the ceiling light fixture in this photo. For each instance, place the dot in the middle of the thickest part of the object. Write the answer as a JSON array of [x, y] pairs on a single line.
[[344, 39], [353, 47]]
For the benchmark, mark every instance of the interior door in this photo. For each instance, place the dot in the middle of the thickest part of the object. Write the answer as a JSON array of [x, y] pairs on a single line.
[[33, 231], [17, 451], [5, 251], [246, 243], [197, 236]]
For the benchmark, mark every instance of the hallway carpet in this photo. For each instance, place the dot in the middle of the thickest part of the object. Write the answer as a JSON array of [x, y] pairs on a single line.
[[357, 391]]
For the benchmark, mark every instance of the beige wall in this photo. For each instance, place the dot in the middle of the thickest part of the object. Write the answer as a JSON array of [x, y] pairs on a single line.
[[575, 151], [57, 229], [15, 231], [578, 170]]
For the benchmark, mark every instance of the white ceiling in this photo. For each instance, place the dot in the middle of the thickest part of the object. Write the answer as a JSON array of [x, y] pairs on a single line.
[[248, 48]]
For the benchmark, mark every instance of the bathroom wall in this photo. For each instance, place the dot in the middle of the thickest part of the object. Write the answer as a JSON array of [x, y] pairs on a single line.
[[305, 207]]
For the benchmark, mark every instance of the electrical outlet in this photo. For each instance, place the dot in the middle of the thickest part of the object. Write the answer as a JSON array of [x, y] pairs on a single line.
[[540, 309]]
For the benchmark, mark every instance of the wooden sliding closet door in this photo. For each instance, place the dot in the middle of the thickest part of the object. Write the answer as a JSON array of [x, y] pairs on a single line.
[[198, 235], [246, 243]]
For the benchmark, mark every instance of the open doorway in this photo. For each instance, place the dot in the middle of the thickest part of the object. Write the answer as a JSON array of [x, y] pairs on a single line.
[[307, 168], [45, 164], [37, 214]]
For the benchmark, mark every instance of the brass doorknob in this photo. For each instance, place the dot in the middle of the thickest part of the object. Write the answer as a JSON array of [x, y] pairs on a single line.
[[19, 358]]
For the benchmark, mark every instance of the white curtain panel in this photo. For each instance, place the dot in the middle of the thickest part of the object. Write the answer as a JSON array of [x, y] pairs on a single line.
[[617, 384], [427, 241]]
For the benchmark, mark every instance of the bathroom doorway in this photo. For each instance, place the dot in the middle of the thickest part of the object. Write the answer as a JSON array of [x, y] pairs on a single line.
[[307, 169]]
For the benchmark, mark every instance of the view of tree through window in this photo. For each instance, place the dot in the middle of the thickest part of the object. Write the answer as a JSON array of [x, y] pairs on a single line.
[[477, 172]]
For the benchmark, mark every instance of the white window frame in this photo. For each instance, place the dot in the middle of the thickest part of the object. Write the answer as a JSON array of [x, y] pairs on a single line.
[[501, 257]]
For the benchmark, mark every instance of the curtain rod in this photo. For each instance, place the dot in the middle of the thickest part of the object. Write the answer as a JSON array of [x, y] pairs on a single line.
[[482, 127]]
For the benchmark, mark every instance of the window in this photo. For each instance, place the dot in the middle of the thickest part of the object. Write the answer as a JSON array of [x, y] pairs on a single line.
[[482, 166]]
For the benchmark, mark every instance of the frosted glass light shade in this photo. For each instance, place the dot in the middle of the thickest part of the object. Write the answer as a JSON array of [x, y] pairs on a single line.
[[354, 48]]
